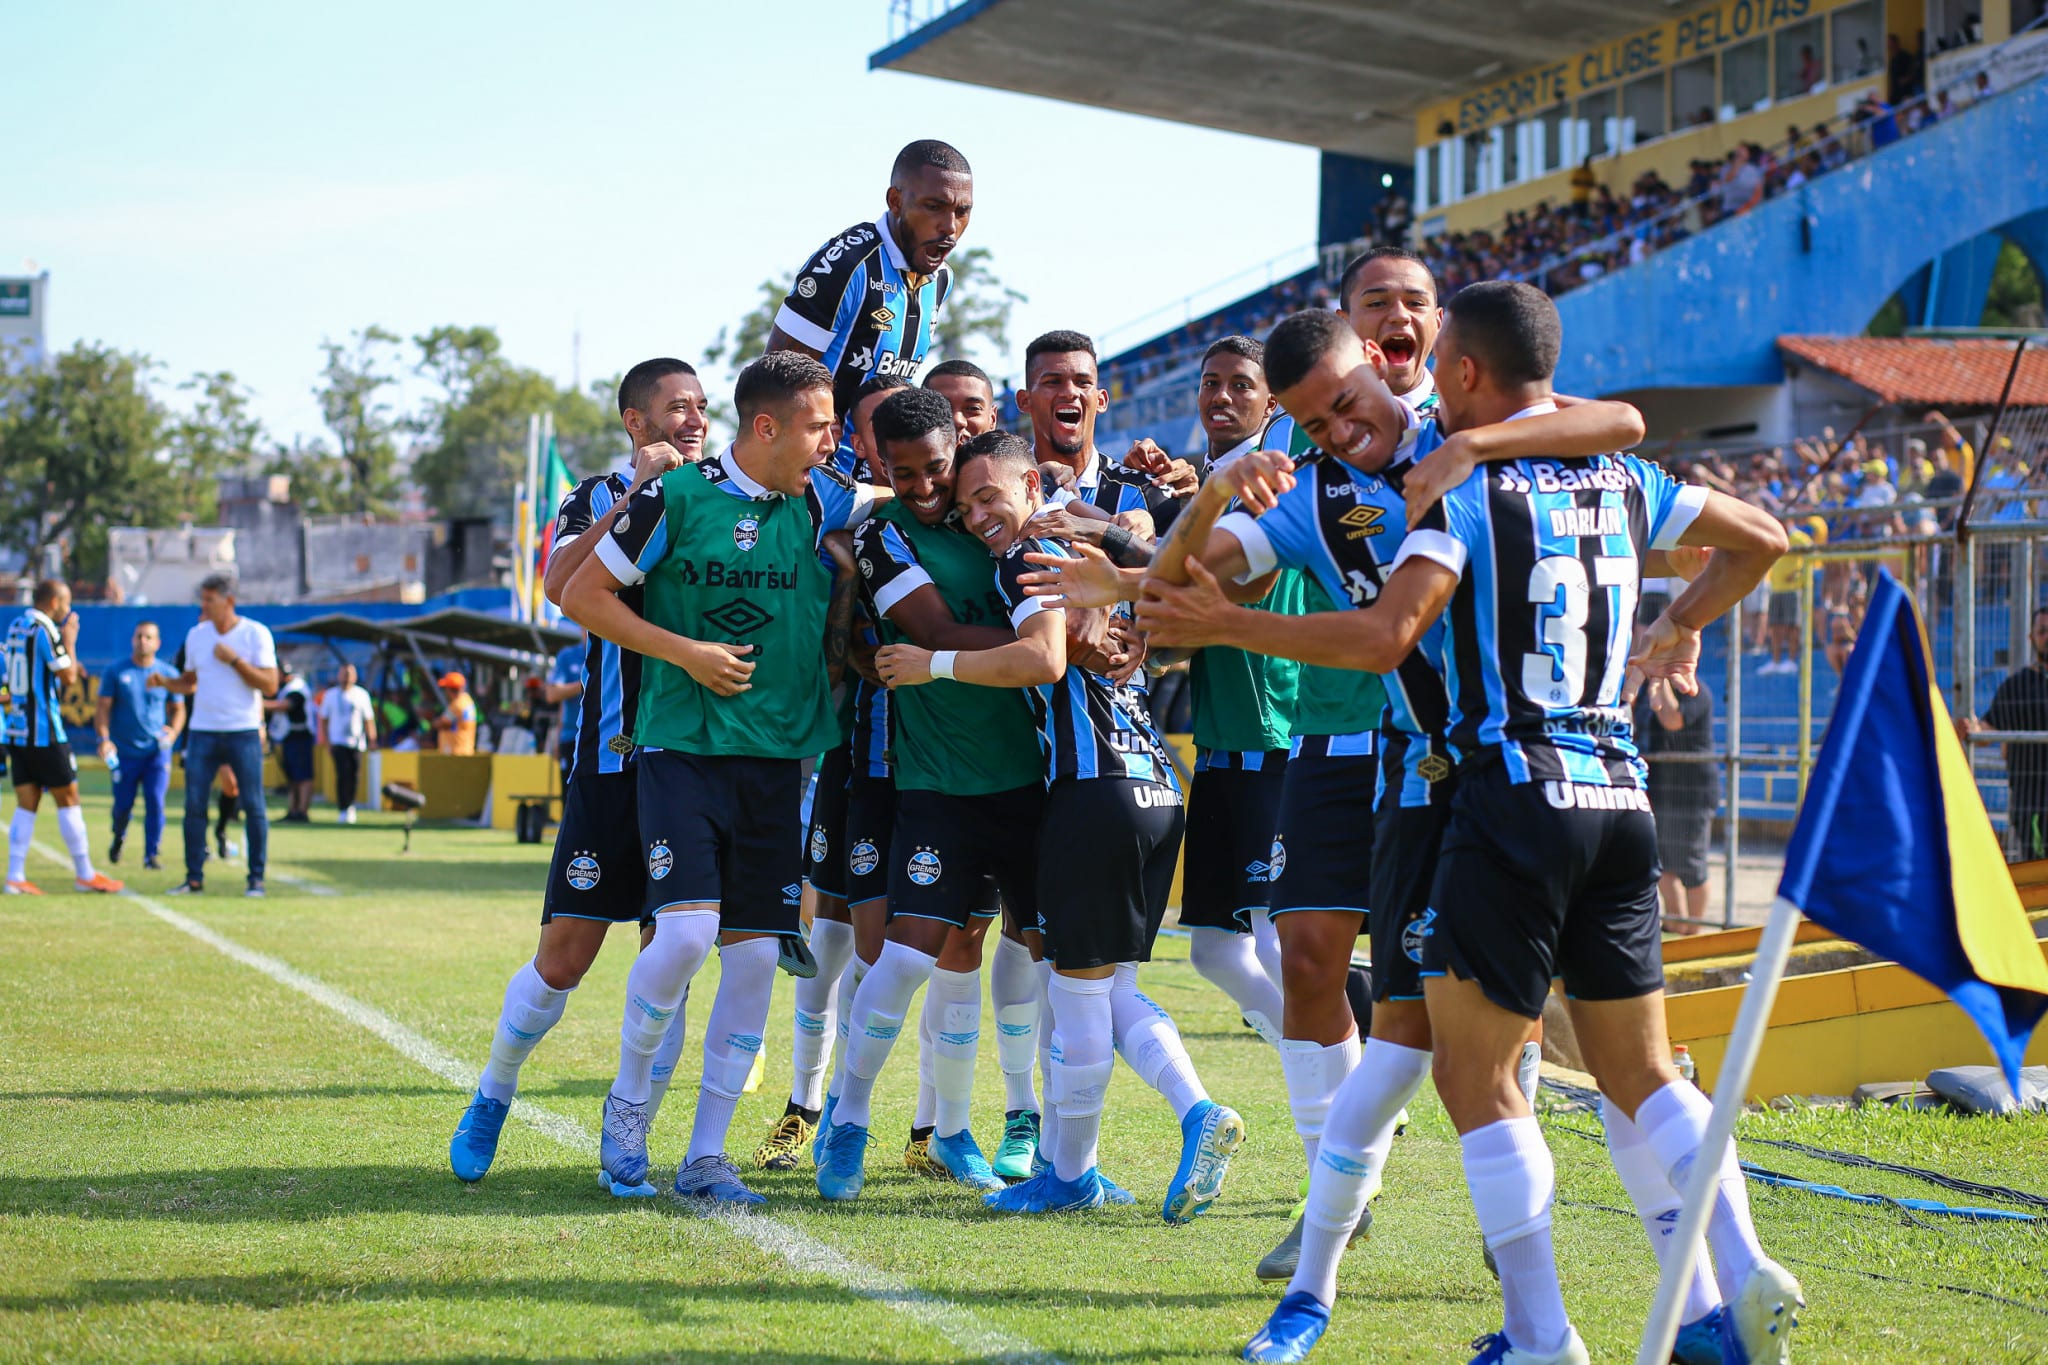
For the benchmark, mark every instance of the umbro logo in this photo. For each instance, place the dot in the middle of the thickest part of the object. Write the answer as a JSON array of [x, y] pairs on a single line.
[[883, 316], [1364, 520]]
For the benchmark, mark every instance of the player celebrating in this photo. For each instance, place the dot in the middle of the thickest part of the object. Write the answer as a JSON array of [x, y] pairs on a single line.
[[1106, 852], [867, 301], [735, 694], [1063, 400], [968, 388], [596, 878], [42, 659]]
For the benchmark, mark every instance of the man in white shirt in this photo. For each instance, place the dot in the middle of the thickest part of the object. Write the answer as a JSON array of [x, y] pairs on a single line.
[[229, 665], [348, 726]]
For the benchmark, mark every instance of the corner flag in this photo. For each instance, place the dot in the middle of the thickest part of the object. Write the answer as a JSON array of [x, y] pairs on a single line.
[[1893, 850]]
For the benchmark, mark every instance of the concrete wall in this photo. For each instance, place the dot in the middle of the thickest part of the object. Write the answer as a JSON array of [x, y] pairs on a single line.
[[348, 557]]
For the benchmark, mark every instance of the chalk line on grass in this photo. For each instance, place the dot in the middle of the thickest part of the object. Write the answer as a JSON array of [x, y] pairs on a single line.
[[959, 1326]]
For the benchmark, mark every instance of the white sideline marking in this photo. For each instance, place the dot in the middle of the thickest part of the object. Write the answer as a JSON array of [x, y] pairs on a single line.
[[304, 884], [957, 1325]]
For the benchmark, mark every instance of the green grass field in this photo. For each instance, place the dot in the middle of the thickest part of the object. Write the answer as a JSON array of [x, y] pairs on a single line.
[[200, 1163]]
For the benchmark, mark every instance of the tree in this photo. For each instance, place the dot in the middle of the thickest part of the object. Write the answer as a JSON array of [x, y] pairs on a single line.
[[218, 436], [352, 394], [2015, 298], [81, 449], [472, 450]]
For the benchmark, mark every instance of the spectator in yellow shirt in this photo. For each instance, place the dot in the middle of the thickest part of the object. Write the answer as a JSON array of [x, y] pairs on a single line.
[[457, 721]]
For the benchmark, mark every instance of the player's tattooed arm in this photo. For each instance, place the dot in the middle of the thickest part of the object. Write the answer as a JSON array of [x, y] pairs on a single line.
[[1580, 426], [839, 610]]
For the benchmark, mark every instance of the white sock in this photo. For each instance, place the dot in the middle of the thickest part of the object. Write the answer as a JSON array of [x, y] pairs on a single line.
[[875, 1018], [20, 830], [1356, 1139], [817, 1013], [654, 992], [921, 1114], [531, 1008], [1674, 1123], [663, 1072], [1147, 1039], [1049, 1116], [1657, 1203], [1512, 1180], [1313, 1073], [1013, 989], [732, 1039], [1083, 1059], [71, 824], [849, 985], [1266, 943], [954, 1006], [1230, 962]]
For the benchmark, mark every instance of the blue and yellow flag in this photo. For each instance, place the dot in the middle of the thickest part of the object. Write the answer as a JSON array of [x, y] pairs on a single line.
[[1893, 849]]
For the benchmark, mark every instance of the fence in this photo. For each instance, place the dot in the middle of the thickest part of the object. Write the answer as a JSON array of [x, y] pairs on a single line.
[[1726, 782]]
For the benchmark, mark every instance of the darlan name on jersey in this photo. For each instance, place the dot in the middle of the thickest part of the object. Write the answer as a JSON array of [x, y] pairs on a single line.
[[1552, 478], [1588, 521], [717, 574]]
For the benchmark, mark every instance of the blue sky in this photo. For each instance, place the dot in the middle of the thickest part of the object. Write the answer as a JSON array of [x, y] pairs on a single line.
[[222, 186]]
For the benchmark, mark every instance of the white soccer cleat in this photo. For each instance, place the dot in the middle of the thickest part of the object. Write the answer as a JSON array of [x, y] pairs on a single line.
[[1757, 1328]]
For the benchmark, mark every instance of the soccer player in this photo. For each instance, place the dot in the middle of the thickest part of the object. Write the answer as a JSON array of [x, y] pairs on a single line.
[[596, 878], [968, 388], [42, 659], [1063, 400], [1107, 845], [866, 303], [736, 692], [969, 792], [138, 721], [1514, 910]]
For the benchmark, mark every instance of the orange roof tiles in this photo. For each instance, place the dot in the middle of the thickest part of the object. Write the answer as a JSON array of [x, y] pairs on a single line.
[[1927, 369]]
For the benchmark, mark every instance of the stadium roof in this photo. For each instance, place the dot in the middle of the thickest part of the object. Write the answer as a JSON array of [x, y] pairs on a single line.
[[453, 631], [1336, 74], [1961, 372]]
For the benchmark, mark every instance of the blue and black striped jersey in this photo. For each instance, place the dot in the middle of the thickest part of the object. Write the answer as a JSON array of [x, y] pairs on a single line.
[[1549, 554], [611, 676], [1346, 528], [858, 305], [1115, 489], [35, 655], [1088, 726]]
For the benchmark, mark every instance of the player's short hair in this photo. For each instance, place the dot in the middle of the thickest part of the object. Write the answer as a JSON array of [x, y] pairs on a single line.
[[1006, 448], [221, 583], [1245, 347], [1509, 327], [928, 152], [1060, 342], [1299, 341], [776, 379], [1357, 264], [965, 368], [46, 591], [636, 390], [911, 415], [878, 383]]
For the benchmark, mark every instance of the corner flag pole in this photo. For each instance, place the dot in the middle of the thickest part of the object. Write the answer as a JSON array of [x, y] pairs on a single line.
[[1730, 1088]]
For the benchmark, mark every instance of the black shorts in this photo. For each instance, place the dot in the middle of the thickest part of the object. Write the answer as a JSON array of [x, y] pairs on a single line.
[[870, 830], [1232, 812], [1405, 844], [48, 766], [598, 872], [1106, 853], [825, 844], [295, 756], [946, 849], [1526, 892], [716, 829], [1322, 841], [1682, 841]]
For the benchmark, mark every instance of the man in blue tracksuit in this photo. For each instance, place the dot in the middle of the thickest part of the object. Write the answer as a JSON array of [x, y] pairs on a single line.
[[138, 721]]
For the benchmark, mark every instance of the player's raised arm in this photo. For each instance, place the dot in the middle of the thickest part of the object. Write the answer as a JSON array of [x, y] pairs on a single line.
[[1746, 541], [1579, 426]]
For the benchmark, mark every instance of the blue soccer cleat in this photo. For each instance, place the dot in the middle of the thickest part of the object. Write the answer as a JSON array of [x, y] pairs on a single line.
[[1498, 1350], [962, 1158], [622, 1150], [476, 1138], [844, 1169], [1113, 1194], [714, 1180], [1209, 1133], [1756, 1329], [1297, 1324], [1699, 1341], [824, 1129], [1047, 1193]]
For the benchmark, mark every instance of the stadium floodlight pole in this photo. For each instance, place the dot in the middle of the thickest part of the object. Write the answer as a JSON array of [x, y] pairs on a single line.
[[1731, 1086]]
